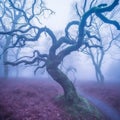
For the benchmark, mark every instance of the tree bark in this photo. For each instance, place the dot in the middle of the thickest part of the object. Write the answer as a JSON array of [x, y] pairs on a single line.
[[70, 93]]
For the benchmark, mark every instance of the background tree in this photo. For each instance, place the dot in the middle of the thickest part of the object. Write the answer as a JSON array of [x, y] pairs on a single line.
[[97, 55], [51, 61], [95, 35], [9, 21]]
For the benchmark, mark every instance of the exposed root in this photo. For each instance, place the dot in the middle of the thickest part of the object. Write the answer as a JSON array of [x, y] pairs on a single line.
[[80, 110]]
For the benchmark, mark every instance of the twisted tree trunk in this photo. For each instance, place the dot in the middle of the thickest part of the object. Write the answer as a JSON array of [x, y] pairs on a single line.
[[70, 93]]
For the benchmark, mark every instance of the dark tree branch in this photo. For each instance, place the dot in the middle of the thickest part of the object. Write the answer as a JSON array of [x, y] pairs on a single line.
[[22, 61], [26, 62], [77, 11], [20, 10], [92, 46], [84, 6], [112, 40], [106, 20], [92, 36], [37, 58], [69, 25], [35, 38], [63, 40], [35, 53], [39, 67], [92, 2], [107, 8]]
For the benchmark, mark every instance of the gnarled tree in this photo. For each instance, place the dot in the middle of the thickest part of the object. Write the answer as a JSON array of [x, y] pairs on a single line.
[[53, 59]]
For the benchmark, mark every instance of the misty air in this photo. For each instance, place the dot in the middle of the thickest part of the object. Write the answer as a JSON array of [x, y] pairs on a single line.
[[59, 60]]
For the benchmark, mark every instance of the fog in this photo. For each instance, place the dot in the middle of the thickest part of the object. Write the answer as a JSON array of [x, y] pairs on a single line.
[[62, 58], [84, 69]]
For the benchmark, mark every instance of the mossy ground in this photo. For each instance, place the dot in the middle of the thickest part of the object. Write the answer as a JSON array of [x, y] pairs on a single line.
[[80, 111]]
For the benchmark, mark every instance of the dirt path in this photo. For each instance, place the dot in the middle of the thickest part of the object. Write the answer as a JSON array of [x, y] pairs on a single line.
[[107, 110]]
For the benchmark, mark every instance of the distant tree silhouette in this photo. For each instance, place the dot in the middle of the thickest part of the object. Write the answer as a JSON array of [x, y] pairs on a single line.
[[12, 16], [95, 35]]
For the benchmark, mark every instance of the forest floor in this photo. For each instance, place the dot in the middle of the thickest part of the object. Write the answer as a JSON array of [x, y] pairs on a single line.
[[106, 97], [107, 92], [26, 99]]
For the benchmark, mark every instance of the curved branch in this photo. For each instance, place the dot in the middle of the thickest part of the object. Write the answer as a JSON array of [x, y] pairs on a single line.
[[69, 25], [93, 46], [39, 67], [20, 62], [108, 8], [106, 20], [37, 58], [92, 36], [35, 38], [112, 40], [49, 32], [35, 53], [82, 24], [64, 40], [11, 32]]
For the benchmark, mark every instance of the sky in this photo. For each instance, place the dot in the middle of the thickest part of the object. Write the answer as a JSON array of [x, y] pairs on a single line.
[[62, 9]]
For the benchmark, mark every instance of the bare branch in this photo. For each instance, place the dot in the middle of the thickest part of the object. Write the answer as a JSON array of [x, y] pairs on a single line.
[[37, 58], [84, 6], [92, 2], [77, 11], [106, 20], [22, 61], [92, 46], [39, 67], [20, 10], [113, 38], [35, 53], [35, 38], [92, 36], [69, 25]]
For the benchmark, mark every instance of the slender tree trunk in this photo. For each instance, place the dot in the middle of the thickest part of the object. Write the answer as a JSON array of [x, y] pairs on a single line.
[[70, 93], [6, 69], [99, 75]]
